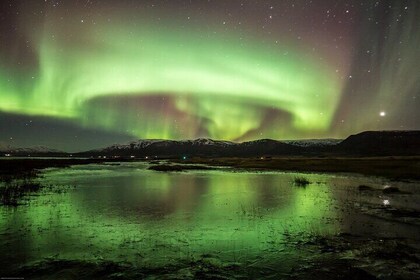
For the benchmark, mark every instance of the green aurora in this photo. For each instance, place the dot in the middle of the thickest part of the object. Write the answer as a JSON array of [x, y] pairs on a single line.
[[215, 81], [175, 73]]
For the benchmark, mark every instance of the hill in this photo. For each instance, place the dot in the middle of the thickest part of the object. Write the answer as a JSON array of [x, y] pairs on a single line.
[[369, 143]]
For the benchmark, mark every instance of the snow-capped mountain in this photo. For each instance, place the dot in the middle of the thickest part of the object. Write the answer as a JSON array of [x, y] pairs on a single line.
[[139, 144], [208, 141], [5, 148], [313, 142], [35, 150], [197, 147], [143, 144], [367, 143]]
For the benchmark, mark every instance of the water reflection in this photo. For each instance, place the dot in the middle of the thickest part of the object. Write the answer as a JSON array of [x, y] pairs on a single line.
[[128, 213]]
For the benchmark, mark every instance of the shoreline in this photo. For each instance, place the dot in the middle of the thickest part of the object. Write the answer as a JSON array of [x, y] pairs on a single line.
[[397, 168]]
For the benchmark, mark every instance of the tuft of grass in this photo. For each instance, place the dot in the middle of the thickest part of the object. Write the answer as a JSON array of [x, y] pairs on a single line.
[[301, 181], [166, 168], [177, 167], [11, 194]]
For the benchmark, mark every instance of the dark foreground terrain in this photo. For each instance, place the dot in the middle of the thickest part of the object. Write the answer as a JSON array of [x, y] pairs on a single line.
[[212, 219], [339, 257]]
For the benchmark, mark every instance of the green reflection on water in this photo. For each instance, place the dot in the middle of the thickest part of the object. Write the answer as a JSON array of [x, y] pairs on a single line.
[[127, 213]]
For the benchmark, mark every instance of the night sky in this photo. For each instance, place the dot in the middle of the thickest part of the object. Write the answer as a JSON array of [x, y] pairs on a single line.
[[77, 75]]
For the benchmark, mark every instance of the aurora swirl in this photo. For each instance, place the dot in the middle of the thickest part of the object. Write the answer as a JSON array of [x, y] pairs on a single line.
[[177, 71]]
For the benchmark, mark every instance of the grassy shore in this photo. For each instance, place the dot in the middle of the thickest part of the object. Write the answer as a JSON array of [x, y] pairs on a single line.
[[17, 176], [29, 167], [392, 167]]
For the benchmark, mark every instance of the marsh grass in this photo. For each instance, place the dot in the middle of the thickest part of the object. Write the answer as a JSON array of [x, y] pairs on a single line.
[[12, 194], [18, 177], [252, 211], [14, 186], [301, 181], [177, 167]]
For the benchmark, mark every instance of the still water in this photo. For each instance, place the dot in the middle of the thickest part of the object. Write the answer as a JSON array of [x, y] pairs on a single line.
[[128, 214]]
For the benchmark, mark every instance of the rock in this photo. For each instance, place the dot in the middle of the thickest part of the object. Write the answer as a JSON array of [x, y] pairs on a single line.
[[389, 189], [365, 188]]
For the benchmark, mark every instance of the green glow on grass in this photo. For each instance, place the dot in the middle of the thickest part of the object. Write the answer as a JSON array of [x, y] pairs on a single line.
[[154, 219]]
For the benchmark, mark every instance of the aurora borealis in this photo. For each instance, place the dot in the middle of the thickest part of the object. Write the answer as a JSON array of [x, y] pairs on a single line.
[[233, 70]]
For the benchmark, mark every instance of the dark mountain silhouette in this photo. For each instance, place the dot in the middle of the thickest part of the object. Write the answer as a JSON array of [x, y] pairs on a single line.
[[383, 143], [198, 147], [369, 143]]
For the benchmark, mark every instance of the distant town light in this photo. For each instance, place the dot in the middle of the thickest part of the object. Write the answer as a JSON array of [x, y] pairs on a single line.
[[386, 202], [382, 114], [184, 157]]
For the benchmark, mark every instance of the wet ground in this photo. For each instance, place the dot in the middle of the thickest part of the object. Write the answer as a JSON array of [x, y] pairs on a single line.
[[121, 221]]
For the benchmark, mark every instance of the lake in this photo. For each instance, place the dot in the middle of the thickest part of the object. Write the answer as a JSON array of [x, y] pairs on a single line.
[[260, 223]]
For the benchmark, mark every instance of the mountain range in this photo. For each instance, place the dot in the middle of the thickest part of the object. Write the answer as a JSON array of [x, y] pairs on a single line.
[[29, 151], [369, 143]]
